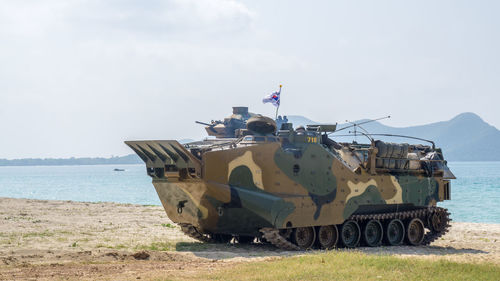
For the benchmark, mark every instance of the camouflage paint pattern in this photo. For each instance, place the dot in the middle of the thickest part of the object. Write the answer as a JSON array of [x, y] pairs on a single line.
[[278, 184]]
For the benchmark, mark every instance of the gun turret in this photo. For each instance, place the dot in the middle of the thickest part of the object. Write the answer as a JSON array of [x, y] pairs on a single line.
[[231, 126]]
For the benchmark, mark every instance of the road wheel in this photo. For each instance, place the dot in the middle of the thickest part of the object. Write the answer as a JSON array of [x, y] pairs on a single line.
[[373, 233], [304, 237], [328, 235], [395, 232], [415, 232], [350, 234], [437, 222]]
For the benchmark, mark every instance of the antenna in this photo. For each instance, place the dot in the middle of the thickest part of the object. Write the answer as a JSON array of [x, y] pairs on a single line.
[[355, 131], [355, 125], [368, 135]]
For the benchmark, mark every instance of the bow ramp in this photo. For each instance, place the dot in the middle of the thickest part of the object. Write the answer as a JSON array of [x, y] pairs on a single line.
[[166, 159]]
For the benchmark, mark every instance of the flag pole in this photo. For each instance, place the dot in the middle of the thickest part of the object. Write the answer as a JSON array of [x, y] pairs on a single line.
[[277, 108]]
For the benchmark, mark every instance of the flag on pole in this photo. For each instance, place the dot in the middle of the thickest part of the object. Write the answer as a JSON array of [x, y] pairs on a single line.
[[273, 98]]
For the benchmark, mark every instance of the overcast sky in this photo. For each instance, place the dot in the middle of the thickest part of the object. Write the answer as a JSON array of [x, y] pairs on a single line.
[[78, 77]]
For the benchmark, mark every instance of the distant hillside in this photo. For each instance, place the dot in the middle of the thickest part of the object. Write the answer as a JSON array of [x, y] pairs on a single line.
[[128, 159], [185, 141], [464, 138], [298, 120]]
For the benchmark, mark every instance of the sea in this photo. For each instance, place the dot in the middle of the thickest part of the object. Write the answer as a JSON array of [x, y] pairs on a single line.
[[475, 194]]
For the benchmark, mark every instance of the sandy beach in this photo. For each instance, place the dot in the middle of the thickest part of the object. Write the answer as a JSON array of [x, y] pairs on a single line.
[[42, 239]]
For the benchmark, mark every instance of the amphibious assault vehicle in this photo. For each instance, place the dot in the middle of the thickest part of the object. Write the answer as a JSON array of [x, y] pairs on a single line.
[[299, 188]]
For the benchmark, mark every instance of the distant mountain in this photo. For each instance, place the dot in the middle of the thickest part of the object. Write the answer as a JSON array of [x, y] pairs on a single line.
[[128, 159], [298, 120], [183, 141], [466, 137]]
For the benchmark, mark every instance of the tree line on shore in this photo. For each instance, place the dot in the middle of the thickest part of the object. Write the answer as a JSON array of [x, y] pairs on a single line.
[[128, 159]]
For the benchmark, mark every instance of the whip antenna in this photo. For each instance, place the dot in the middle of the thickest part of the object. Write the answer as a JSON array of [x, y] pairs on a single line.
[[355, 125]]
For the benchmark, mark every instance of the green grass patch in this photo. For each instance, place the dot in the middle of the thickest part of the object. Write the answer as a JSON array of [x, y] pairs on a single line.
[[193, 246], [168, 225], [38, 234], [172, 246], [6, 241], [339, 265], [157, 246], [115, 247], [120, 247]]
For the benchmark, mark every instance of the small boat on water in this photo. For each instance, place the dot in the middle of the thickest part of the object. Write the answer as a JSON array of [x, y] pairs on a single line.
[[118, 170]]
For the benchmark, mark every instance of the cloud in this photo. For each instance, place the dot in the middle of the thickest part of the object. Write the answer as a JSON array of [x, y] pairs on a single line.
[[27, 18], [60, 42], [222, 14], [75, 69], [93, 17], [180, 32]]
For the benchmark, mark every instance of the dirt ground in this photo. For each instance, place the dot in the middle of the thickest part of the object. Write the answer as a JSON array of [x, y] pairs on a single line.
[[42, 240]]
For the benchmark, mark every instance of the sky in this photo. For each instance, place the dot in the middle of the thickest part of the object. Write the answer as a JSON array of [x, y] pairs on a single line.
[[78, 77]]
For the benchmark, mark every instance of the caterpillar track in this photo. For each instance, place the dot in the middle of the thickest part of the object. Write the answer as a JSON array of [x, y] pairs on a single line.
[[193, 232], [275, 237], [281, 238]]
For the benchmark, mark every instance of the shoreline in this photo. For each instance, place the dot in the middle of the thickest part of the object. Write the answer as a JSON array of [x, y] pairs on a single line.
[[73, 165], [159, 205], [138, 162], [40, 238]]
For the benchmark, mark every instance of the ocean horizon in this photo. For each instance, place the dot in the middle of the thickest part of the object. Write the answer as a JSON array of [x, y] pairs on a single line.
[[474, 194]]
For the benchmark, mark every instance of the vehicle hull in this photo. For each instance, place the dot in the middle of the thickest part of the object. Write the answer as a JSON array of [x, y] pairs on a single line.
[[245, 189]]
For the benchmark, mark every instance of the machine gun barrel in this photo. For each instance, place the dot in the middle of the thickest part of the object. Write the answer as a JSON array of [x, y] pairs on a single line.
[[202, 123]]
